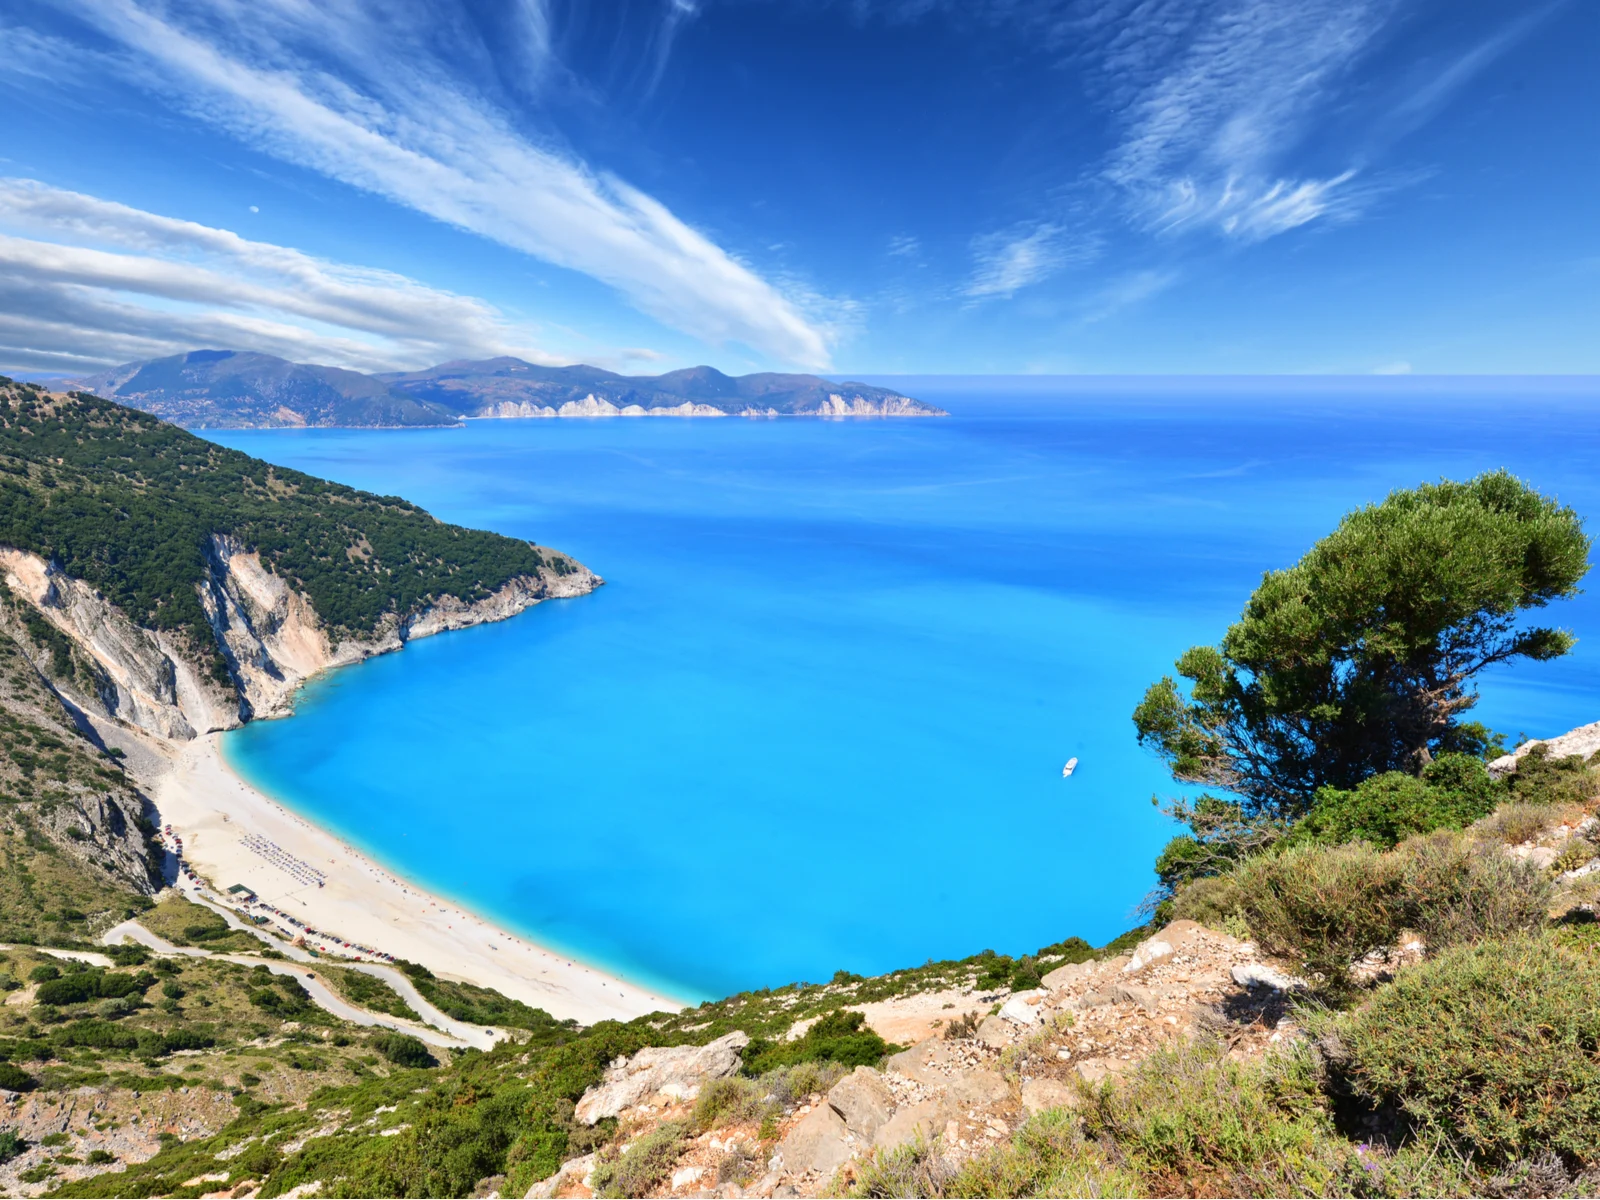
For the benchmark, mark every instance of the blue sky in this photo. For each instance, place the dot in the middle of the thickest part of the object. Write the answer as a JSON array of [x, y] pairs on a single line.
[[1061, 186]]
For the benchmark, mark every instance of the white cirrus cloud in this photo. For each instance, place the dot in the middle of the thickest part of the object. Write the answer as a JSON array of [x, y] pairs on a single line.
[[1009, 261], [1210, 98], [86, 282], [395, 101]]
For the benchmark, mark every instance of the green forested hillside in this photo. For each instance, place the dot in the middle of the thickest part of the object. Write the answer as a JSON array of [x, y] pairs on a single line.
[[129, 504]]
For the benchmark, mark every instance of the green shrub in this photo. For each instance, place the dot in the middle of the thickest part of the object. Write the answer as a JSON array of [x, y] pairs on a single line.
[[1540, 779], [1190, 1119], [100, 1157], [646, 1163], [14, 1079], [1493, 1048], [839, 1037], [1072, 950], [1454, 791], [84, 986], [101, 1035], [44, 972], [1027, 975], [11, 1144], [403, 1050]]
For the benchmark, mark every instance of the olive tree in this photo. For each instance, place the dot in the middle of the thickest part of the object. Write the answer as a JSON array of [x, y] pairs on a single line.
[[1362, 657]]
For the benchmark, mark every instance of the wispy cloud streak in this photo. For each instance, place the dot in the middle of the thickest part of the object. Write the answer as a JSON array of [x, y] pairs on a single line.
[[362, 95], [102, 283], [1211, 98]]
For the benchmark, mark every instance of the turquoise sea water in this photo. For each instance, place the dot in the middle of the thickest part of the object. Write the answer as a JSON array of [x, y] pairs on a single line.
[[816, 719]]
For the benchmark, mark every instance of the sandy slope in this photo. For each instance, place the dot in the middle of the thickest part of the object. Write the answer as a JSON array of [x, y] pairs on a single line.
[[212, 809]]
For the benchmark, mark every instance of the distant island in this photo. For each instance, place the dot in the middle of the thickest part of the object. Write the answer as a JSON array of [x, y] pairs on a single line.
[[238, 389]]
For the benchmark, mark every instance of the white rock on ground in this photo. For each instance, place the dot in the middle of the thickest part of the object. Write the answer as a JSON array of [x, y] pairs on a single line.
[[1147, 954], [577, 1169], [677, 1071], [1022, 1009]]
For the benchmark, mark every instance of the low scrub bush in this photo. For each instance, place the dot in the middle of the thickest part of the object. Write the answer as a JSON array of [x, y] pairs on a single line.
[[1493, 1048], [840, 1037], [1514, 824], [1456, 892], [1322, 906], [732, 1101], [1190, 1120], [14, 1079], [646, 1163]]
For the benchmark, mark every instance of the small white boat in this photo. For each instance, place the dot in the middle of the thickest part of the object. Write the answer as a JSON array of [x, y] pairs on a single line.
[[1066, 771]]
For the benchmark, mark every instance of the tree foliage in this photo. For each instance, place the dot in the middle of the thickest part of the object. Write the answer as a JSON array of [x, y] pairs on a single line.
[[1361, 658]]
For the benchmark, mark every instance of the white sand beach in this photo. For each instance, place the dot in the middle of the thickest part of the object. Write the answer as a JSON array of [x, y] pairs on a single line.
[[215, 812]]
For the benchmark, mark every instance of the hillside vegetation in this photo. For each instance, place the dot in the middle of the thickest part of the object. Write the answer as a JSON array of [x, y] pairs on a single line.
[[1440, 1039], [130, 504]]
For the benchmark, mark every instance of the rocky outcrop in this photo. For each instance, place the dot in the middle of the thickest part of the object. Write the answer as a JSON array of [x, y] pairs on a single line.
[[1583, 741], [857, 405], [677, 1072], [104, 831], [597, 406], [139, 676], [271, 636]]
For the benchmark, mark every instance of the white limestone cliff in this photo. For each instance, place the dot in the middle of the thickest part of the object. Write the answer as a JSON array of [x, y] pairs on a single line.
[[271, 635]]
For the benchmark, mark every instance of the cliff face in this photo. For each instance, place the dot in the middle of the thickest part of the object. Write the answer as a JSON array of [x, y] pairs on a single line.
[[270, 635]]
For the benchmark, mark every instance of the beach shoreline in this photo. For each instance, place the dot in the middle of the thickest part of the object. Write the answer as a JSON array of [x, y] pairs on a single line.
[[214, 810]]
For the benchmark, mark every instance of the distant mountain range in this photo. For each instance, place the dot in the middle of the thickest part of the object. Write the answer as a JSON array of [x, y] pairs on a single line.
[[238, 389]]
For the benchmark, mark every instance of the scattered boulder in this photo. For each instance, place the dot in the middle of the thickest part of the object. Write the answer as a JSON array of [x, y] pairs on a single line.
[[977, 1088], [1119, 993], [915, 1120], [683, 1178], [1147, 954], [576, 1170], [1584, 741], [1065, 976], [1022, 1009], [677, 1071], [820, 1142], [863, 1100], [995, 1032], [1046, 1093], [923, 1062], [1543, 856]]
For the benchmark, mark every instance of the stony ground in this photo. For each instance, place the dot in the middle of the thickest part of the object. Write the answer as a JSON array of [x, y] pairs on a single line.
[[983, 1062]]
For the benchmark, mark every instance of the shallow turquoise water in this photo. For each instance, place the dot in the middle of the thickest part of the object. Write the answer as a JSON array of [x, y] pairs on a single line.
[[816, 718]]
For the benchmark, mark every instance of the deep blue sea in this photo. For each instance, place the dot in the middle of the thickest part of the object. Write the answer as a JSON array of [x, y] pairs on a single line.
[[817, 716]]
